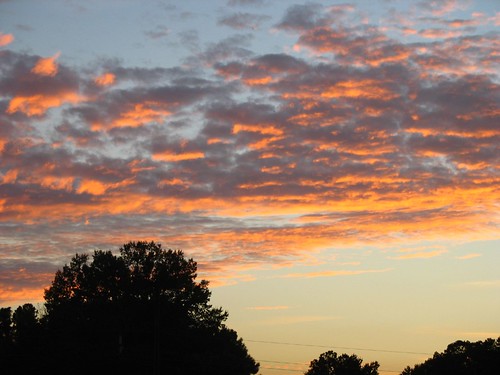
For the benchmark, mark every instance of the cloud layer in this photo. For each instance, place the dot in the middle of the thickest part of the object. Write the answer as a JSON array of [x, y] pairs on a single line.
[[243, 159]]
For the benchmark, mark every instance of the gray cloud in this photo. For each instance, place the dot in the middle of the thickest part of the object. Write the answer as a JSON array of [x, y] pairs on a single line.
[[241, 21]]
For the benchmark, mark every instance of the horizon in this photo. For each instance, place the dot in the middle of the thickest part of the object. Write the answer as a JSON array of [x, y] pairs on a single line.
[[332, 167]]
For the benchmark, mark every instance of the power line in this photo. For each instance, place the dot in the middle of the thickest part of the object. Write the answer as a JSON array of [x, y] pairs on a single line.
[[281, 369], [299, 363], [292, 370], [337, 347], [288, 363]]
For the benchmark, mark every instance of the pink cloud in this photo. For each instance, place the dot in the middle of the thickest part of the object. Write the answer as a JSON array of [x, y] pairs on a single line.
[[442, 7], [439, 33]]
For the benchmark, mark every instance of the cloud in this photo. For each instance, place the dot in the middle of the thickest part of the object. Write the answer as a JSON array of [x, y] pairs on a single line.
[[483, 284], [442, 7], [439, 33], [248, 160], [303, 17], [170, 157], [300, 319], [227, 49], [245, 2], [46, 66], [6, 39], [478, 335], [105, 79], [37, 105], [469, 256], [22, 281], [268, 308], [334, 273], [24, 27], [138, 114], [420, 254], [241, 21], [34, 94], [158, 32]]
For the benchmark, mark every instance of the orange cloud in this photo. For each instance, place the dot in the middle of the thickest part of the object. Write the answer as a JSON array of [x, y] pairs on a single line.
[[105, 79], [213, 141], [409, 31], [57, 183], [173, 182], [10, 176], [92, 187], [174, 157], [37, 105], [46, 66], [262, 81], [3, 142], [267, 129], [368, 88], [6, 39], [377, 59], [28, 286], [11, 296], [137, 115], [96, 187]]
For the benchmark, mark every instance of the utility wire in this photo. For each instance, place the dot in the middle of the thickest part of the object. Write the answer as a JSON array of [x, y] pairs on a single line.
[[337, 347], [289, 369], [299, 363], [288, 363], [281, 369]]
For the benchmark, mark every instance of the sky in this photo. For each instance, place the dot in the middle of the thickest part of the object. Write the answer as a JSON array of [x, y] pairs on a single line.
[[333, 167]]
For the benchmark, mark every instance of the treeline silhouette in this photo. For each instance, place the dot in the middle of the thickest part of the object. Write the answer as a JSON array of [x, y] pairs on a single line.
[[143, 312], [459, 358]]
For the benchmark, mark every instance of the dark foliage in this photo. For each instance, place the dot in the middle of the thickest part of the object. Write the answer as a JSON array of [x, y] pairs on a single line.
[[330, 363], [462, 358], [141, 312]]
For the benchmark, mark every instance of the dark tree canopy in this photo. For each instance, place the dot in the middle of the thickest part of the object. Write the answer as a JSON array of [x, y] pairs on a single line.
[[462, 358], [330, 363], [140, 312]]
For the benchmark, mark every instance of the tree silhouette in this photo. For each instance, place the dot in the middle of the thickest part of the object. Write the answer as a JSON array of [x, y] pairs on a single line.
[[140, 312], [329, 363], [26, 327], [462, 358], [6, 343]]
